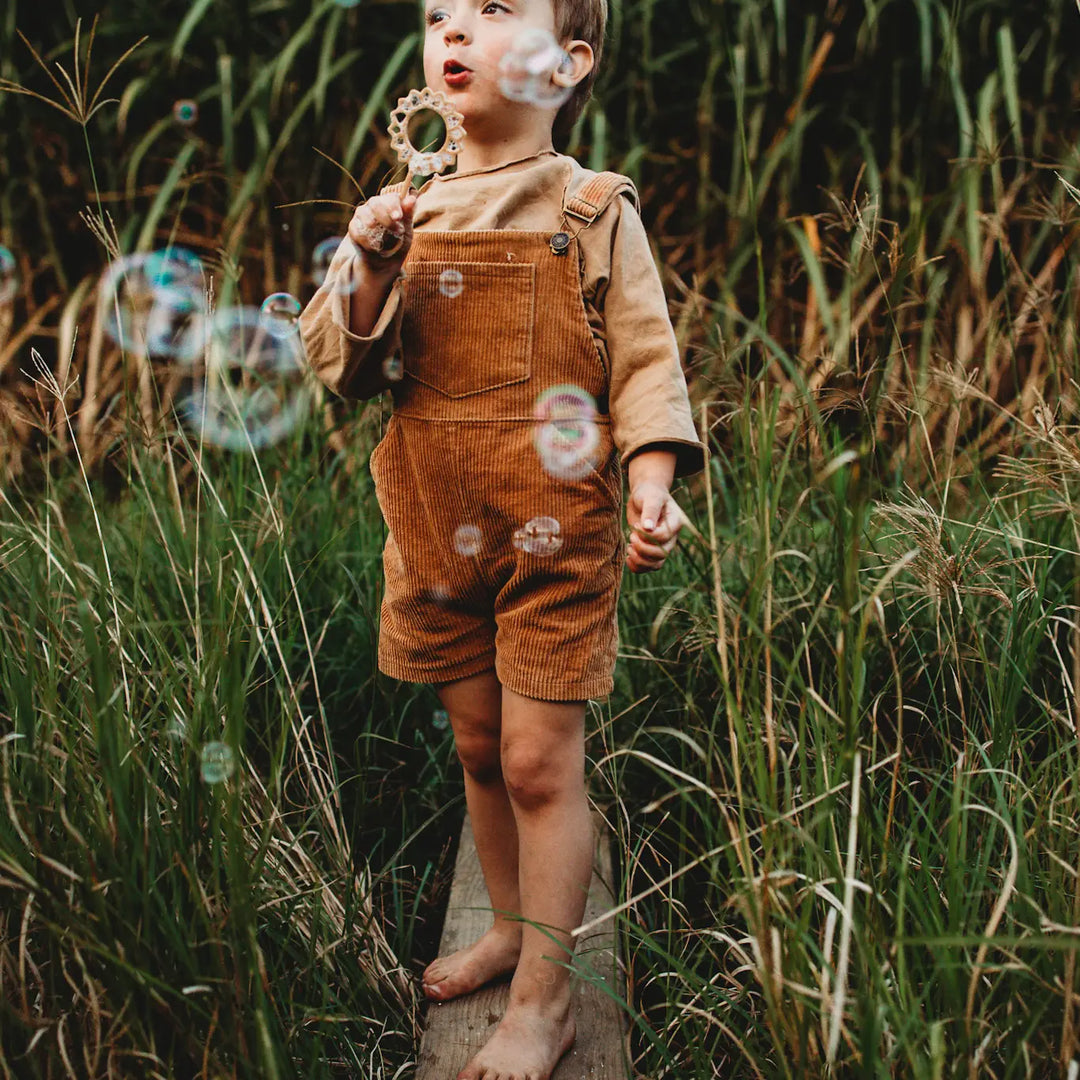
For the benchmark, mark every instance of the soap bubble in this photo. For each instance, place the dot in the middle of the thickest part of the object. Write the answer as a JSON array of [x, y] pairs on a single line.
[[451, 283], [568, 450], [185, 112], [566, 436], [467, 540], [155, 304], [392, 368], [526, 69], [540, 536], [253, 390], [282, 313], [217, 762], [9, 276], [565, 402], [440, 719], [321, 258]]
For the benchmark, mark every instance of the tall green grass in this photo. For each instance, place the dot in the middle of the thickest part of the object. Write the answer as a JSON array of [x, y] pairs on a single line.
[[840, 759]]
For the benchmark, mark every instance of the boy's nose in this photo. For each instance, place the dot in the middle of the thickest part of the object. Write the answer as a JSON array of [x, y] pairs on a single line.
[[454, 33]]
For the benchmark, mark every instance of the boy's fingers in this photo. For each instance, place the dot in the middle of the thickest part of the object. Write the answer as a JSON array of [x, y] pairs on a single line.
[[652, 506], [651, 551]]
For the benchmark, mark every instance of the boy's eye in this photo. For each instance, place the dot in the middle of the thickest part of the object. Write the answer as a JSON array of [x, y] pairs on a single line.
[[494, 6], [434, 15]]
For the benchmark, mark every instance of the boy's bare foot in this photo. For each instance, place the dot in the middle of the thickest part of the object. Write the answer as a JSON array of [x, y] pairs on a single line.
[[463, 971], [526, 1045]]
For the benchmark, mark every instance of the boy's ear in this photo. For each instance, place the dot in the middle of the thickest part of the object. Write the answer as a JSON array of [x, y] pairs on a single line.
[[578, 63]]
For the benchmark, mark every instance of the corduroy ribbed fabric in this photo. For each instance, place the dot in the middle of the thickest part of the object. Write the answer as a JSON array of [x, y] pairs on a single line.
[[457, 475]]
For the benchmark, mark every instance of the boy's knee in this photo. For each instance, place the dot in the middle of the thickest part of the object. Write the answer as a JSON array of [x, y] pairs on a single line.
[[479, 757], [530, 778]]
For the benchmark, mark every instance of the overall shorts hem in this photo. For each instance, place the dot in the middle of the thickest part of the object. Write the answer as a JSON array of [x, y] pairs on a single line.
[[542, 688], [436, 674]]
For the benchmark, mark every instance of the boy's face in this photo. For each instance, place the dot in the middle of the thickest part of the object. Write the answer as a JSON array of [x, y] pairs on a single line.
[[463, 44]]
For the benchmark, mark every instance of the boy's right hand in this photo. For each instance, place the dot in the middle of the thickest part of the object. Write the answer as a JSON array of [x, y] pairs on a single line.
[[381, 229]]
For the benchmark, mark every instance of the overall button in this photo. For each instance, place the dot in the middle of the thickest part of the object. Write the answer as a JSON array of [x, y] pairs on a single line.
[[559, 242]]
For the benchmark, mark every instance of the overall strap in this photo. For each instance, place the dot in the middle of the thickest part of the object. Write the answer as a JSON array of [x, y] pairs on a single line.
[[596, 194]]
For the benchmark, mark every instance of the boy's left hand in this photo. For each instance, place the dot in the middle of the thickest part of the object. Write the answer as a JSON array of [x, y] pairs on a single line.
[[655, 519]]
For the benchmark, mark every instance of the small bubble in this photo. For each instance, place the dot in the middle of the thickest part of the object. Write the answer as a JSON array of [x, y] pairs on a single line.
[[217, 762], [451, 283], [440, 719], [393, 369], [527, 67], [321, 257], [467, 540], [539, 536], [9, 276], [176, 729], [282, 312], [185, 112]]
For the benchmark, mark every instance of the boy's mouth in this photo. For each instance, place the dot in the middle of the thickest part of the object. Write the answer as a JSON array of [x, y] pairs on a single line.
[[455, 73]]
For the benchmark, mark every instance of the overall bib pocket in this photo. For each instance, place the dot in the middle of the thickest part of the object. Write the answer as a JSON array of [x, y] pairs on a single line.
[[468, 327]]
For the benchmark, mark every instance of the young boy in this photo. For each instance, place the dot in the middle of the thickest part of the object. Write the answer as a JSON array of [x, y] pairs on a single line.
[[502, 575]]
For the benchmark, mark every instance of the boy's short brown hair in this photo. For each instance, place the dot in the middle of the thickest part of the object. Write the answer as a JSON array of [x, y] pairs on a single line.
[[585, 20]]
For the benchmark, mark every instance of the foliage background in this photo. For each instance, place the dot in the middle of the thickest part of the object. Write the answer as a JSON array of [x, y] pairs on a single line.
[[841, 759]]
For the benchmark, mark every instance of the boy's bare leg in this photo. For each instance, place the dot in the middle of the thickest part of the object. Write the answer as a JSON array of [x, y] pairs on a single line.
[[474, 705], [544, 769]]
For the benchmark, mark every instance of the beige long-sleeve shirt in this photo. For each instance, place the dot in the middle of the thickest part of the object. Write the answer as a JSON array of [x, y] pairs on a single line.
[[623, 297]]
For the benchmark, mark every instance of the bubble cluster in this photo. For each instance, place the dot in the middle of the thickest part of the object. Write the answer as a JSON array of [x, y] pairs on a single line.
[[539, 536], [217, 762], [566, 436], [451, 283], [467, 540], [527, 67], [253, 390], [155, 304], [185, 112], [9, 276], [282, 313]]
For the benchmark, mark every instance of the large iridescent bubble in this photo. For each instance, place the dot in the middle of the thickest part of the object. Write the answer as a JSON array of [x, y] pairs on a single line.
[[251, 390], [527, 68], [566, 436], [155, 304]]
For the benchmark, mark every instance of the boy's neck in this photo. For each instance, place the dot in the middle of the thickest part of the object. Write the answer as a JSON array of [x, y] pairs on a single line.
[[481, 153]]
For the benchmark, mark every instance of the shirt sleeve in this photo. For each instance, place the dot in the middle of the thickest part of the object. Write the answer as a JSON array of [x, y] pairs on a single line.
[[349, 364], [647, 396]]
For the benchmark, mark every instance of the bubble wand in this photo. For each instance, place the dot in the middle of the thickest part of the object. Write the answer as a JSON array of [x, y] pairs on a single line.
[[421, 162]]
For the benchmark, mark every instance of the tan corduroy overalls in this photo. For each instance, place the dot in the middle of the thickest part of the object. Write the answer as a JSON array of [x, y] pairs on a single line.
[[457, 474]]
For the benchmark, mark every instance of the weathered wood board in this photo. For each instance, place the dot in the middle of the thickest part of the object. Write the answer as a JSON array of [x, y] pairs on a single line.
[[455, 1030]]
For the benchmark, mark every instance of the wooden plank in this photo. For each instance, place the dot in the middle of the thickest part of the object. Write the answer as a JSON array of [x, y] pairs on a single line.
[[455, 1030]]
